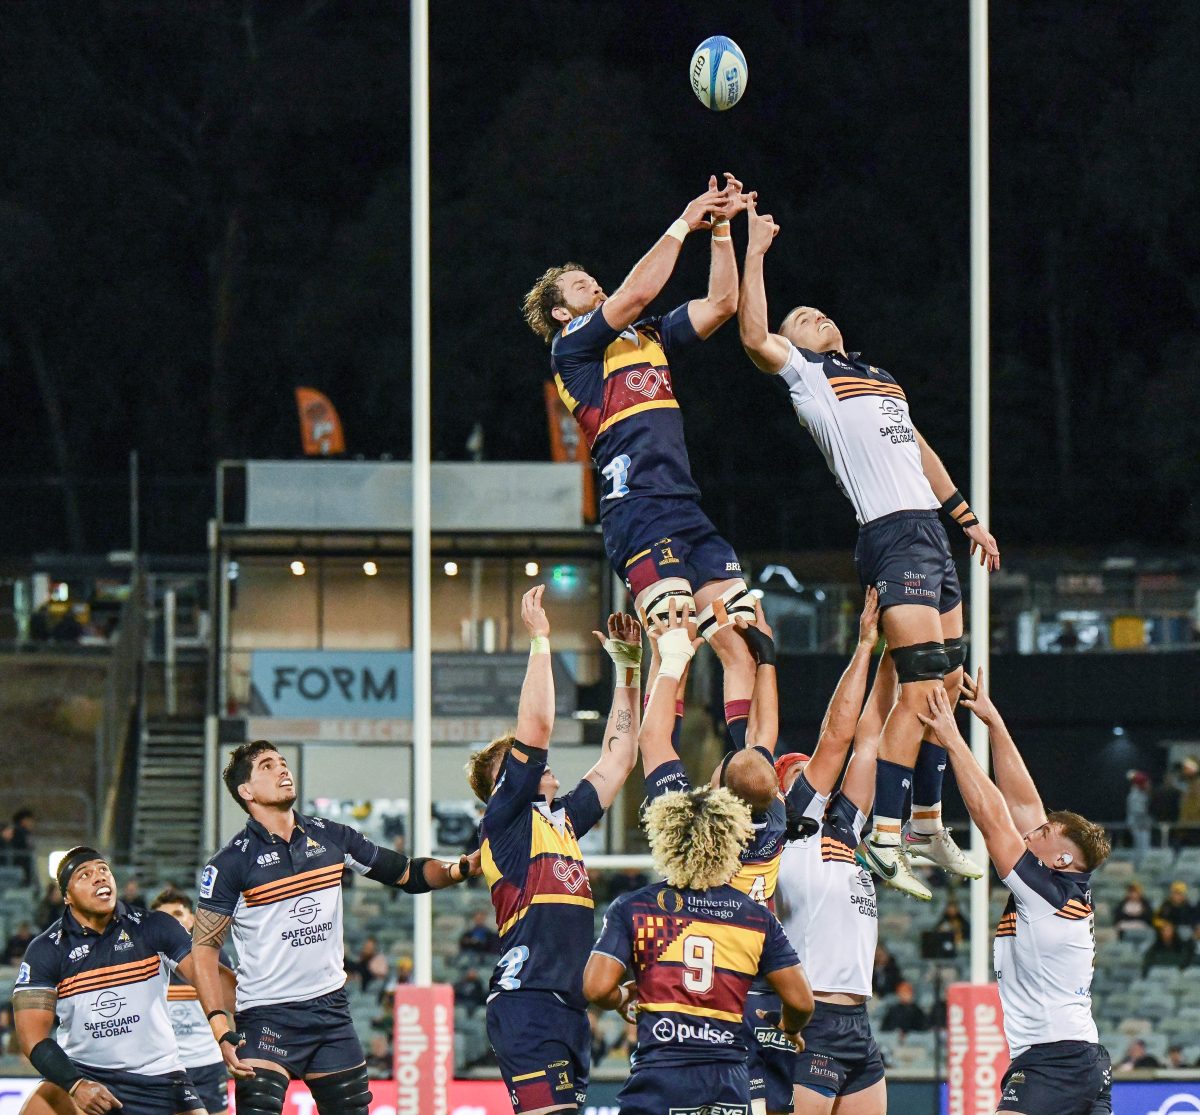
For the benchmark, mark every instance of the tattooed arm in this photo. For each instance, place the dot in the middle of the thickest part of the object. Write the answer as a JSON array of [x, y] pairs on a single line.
[[208, 934], [624, 645]]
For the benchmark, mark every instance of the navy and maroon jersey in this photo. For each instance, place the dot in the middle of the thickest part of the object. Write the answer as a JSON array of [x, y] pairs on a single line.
[[760, 857], [618, 387], [112, 988], [285, 900], [540, 889], [694, 955]]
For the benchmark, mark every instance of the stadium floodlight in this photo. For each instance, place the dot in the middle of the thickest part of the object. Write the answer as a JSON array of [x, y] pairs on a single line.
[[298, 568]]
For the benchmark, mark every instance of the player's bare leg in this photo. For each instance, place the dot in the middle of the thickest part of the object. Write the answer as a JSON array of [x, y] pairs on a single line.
[[737, 662], [48, 1099], [870, 1101], [927, 837], [914, 634], [807, 1102]]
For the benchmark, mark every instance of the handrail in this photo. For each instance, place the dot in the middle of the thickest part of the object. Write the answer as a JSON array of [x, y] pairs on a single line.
[[121, 692]]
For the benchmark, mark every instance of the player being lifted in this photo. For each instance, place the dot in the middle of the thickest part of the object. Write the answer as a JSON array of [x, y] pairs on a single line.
[[536, 1014], [858, 415], [1045, 950], [694, 944], [749, 775], [612, 367], [278, 882]]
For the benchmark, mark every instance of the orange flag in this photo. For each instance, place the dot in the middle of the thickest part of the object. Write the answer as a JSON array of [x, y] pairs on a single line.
[[320, 427]]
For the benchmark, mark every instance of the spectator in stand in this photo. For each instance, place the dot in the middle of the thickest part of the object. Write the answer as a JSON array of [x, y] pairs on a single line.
[[885, 976], [21, 843], [6, 1027], [51, 907], [904, 1014], [954, 921], [404, 972], [1175, 1058], [1189, 801], [1134, 912], [470, 991], [1136, 1057], [1165, 797], [131, 894], [379, 1058], [14, 948], [370, 966], [479, 936], [1169, 949], [1179, 909], [1137, 814]]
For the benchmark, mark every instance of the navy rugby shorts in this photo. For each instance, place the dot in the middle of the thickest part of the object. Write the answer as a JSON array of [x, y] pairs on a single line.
[[840, 1056], [906, 556], [1059, 1078], [168, 1094], [650, 539], [687, 1089], [543, 1046], [316, 1035]]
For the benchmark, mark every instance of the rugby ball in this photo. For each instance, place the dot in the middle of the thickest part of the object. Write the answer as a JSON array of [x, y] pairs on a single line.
[[718, 73]]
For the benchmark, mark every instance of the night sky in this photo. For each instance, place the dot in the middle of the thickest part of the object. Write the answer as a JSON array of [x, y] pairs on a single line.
[[204, 203]]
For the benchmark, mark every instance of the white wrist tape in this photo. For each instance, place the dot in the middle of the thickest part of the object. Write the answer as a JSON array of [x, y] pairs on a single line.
[[675, 651], [626, 660], [679, 229]]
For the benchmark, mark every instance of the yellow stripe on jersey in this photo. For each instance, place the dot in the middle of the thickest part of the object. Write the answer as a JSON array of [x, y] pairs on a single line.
[[657, 404], [528, 1076], [491, 873], [569, 400], [547, 840], [687, 1008], [622, 353], [547, 900], [737, 949]]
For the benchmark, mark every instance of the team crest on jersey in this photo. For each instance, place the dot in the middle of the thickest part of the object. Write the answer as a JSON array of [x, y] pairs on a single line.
[[124, 941], [313, 848], [578, 322]]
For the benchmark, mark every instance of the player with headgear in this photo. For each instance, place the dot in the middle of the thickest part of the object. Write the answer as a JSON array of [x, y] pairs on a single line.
[[100, 972], [1045, 948], [278, 884], [613, 365], [858, 415], [826, 901], [694, 945], [536, 1015]]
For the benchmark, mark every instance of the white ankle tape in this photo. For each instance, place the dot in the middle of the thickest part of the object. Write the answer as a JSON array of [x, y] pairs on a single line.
[[655, 602], [721, 613]]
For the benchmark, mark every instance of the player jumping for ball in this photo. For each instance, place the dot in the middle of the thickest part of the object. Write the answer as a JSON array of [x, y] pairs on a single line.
[[858, 415], [612, 367], [1045, 949]]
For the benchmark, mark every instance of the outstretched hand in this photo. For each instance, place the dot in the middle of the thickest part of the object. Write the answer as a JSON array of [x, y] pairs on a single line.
[[983, 542], [533, 615], [623, 643], [868, 621], [976, 698], [763, 228], [941, 718], [699, 211], [759, 636], [680, 623]]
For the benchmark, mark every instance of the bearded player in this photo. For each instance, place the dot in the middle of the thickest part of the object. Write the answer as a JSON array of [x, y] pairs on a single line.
[[612, 366]]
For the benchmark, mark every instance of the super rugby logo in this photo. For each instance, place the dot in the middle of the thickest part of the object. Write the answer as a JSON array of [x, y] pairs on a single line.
[[305, 910], [571, 875]]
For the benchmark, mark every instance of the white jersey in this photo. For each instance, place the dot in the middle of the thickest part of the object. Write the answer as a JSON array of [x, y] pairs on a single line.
[[858, 416], [1044, 954], [826, 901]]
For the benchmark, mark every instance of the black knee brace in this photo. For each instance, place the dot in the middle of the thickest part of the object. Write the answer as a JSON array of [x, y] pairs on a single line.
[[956, 652], [262, 1094], [342, 1093], [921, 662]]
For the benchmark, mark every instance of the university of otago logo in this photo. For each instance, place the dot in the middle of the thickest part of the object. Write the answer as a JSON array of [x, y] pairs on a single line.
[[670, 901]]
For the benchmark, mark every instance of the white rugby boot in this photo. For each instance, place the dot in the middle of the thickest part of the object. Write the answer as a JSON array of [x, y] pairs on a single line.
[[890, 863], [940, 849]]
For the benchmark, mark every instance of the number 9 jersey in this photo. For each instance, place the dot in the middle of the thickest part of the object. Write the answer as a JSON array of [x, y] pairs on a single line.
[[617, 385]]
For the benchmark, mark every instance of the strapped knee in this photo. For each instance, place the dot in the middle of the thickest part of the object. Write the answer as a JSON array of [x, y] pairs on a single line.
[[733, 602], [342, 1093], [654, 602], [921, 662], [956, 652], [262, 1094]]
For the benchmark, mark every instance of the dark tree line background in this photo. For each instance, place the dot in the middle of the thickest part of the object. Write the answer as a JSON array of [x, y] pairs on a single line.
[[204, 203]]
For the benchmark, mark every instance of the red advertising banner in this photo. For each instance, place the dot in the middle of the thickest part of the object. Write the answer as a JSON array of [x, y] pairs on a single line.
[[976, 1050], [424, 1049]]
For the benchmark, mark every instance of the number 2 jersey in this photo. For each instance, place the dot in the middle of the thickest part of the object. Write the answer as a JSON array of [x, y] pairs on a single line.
[[532, 863], [1044, 954], [694, 955], [617, 385]]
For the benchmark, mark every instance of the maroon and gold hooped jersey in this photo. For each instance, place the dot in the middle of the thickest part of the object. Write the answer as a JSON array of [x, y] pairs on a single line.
[[617, 385]]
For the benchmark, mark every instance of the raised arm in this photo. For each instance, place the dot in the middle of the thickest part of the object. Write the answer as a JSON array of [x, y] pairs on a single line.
[[768, 350], [535, 713], [650, 274], [762, 725], [858, 783], [841, 718], [955, 505], [1012, 776], [708, 314], [624, 646], [982, 797], [675, 649]]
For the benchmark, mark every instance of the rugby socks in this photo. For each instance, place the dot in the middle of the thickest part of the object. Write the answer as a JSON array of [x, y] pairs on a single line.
[[737, 715], [927, 788], [892, 783]]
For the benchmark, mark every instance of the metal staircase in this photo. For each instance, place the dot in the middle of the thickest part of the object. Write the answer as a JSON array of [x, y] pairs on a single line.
[[169, 802]]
